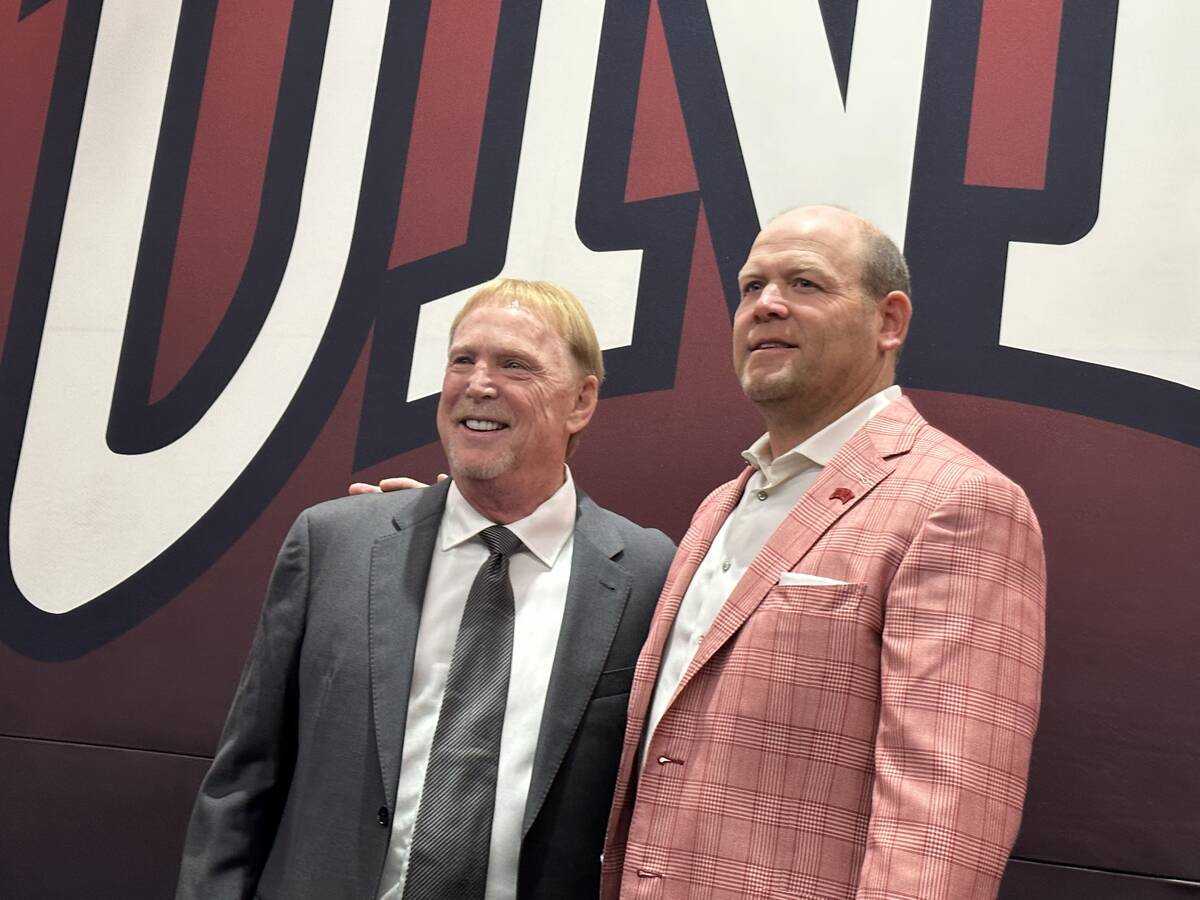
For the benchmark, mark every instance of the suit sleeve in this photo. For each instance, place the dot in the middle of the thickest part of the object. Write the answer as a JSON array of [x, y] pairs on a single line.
[[961, 668], [241, 799]]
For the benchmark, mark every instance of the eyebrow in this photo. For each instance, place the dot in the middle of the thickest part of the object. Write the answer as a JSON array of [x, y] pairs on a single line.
[[789, 271], [456, 349]]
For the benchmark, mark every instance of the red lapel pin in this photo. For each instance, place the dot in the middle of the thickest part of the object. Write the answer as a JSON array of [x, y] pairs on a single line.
[[843, 494]]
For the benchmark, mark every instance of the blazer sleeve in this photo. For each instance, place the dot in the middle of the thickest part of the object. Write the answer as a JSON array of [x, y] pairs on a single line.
[[240, 801], [961, 669]]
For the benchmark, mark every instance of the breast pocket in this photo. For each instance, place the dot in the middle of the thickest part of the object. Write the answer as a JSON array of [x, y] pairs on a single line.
[[826, 622], [817, 599]]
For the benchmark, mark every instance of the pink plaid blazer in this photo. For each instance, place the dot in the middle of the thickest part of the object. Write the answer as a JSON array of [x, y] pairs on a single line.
[[861, 740]]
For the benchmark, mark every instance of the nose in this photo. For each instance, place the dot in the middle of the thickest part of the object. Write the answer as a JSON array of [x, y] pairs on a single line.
[[480, 385], [769, 304]]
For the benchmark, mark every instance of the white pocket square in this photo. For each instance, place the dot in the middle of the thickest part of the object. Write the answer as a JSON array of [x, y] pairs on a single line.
[[786, 578]]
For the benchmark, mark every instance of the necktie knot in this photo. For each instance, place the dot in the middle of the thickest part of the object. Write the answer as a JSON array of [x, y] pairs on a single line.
[[500, 540]]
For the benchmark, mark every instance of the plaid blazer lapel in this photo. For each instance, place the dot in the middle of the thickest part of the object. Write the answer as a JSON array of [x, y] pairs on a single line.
[[862, 463]]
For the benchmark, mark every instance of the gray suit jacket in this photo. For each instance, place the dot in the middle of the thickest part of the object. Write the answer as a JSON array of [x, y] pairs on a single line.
[[299, 800]]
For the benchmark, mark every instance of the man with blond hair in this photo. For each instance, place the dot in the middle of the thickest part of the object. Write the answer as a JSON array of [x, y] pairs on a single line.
[[433, 704]]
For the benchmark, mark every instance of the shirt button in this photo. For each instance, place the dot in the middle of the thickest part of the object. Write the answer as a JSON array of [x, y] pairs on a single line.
[[725, 566], [762, 495]]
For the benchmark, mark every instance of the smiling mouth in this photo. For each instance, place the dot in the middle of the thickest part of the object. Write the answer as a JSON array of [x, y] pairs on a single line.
[[771, 345], [482, 425]]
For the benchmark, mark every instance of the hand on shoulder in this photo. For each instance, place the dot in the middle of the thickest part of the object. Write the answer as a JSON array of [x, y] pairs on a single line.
[[391, 484]]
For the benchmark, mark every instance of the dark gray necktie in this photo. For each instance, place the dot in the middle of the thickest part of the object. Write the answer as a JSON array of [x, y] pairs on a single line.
[[451, 840]]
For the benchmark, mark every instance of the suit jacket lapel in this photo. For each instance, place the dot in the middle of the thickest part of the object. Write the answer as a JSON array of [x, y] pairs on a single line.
[[861, 464], [399, 571], [596, 597]]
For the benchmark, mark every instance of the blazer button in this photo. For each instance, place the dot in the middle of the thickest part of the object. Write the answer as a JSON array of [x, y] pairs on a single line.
[[382, 816]]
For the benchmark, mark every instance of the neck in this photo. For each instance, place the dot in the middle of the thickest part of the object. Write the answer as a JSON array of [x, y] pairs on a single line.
[[507, 500], [785, 431], [789, 426]]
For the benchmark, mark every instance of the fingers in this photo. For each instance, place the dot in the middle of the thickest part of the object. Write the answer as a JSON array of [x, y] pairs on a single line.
[[391, 484], [400, 484]]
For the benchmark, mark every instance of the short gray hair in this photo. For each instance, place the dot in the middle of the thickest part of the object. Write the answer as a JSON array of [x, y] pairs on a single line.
[[883, 267]]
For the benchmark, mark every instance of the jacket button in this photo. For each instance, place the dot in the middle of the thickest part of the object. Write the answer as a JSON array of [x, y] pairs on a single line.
[[382, 816]]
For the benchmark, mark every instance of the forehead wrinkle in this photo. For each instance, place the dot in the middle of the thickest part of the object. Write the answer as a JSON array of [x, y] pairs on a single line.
[[492, 348], [531, 330], [791, 261]]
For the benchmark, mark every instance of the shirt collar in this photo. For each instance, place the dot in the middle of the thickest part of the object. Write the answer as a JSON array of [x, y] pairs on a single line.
[[821, 447], [544, 531]]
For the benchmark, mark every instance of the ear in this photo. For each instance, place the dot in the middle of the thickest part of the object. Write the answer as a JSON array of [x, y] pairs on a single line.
[[895, 312], [586, 398]]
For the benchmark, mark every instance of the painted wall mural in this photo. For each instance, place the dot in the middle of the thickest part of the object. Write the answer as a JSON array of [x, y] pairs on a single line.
[[233, 234]]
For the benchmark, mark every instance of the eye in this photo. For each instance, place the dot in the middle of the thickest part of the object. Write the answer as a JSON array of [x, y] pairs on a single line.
[[804, 283], [460, 359], [750, 287], [514, 364]]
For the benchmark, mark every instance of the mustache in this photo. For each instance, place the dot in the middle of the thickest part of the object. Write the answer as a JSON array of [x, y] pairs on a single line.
[[492, 410]]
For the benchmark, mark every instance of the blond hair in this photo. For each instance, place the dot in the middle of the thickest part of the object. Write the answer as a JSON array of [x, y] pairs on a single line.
[[554, 305]]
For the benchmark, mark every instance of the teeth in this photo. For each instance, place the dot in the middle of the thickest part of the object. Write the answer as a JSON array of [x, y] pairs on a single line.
[[482, 425]]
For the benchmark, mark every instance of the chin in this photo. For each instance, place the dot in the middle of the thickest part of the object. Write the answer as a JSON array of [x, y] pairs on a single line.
[[480, 468], [769, 389]]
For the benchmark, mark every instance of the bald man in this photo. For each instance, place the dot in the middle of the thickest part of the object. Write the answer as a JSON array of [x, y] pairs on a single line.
[[840, 688]]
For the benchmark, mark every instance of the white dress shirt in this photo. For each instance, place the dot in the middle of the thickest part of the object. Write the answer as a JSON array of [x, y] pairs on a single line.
[[539, 575], [774, 488]]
